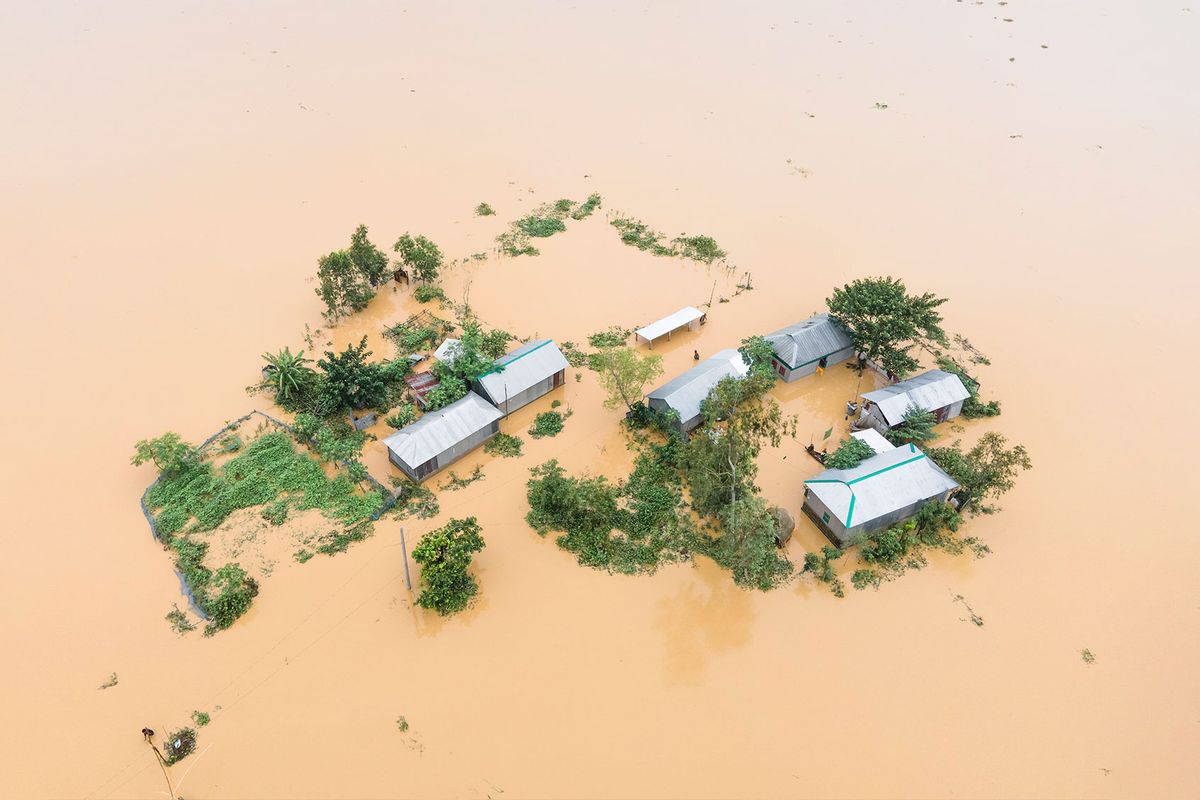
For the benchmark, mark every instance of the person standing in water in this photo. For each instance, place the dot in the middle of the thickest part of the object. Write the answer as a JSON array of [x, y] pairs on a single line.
[[695, 355], [821, 365]]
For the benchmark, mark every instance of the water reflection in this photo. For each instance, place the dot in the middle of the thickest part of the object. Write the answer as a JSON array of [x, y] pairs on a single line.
[[707, 615]]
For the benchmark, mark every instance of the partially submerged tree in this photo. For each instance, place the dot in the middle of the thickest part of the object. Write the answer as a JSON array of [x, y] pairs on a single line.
[[343, 286], [352, 382], [368, 259], [719, 460], [419, 255], [748, 545], [849, 454], [445, 556], [758, 354], [885, 322], [917, 427], [985, 472], [624, 373], [169, 452], [289, 373]]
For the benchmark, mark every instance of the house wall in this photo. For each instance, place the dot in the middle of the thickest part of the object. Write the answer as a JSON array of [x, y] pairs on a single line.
[[450, 455], [789, 375], [818, 512], [685, 426], [522, 399], [894, 518], [872, 419]]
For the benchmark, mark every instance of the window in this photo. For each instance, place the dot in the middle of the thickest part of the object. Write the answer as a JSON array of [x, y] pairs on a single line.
[[825, 517]]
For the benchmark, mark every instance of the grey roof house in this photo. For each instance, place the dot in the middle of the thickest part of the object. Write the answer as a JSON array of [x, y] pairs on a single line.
[[882, 491], [800, 348], [937, 391], [524, 375], [685, 393], [441, 437]]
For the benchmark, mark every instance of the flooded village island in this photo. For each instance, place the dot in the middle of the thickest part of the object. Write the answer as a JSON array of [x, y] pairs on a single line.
[[888, 485]]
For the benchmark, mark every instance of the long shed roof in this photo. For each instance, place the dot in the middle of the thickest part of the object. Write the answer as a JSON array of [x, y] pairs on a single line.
[[884, 483], [685, 393], [669, 323], [528, 365], [809, 341], [928, 391], [440, 430]]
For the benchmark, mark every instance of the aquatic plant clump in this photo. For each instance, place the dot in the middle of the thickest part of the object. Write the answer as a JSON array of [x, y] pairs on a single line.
[[636, 233], [548, 423], [179, 745], [503, 445], [544, 221]]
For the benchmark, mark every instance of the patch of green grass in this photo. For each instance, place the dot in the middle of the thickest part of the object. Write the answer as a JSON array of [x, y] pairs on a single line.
[[484, 210], [201, 718], [503, 445]]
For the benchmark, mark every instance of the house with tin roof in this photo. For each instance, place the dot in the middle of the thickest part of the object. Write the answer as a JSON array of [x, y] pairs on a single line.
[[819, 340], [522, 376], [439, 438], [684, 394], [937, 391], [882, 491]]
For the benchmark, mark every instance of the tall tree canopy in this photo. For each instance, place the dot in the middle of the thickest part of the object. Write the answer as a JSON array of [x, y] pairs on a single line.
[[445, 555], [419, 255], [624, 373], [368, 259], [986, 471], [885, 322], [343, 286]]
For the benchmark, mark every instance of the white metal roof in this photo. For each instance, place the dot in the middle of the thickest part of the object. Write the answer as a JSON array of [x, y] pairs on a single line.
[[929, 391], [440, 430], [685, 393], [880, 485], [528, 365], [447, 351], [873, 439], [669, 323], [809, 341]]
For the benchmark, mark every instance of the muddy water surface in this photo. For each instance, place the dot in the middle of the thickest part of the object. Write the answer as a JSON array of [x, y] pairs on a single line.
[[172, 172]]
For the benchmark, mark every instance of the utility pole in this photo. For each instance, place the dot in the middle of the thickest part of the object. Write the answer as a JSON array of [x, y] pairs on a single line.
[[404, 549]]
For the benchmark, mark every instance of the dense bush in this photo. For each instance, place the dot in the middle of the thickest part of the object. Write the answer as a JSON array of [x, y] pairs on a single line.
[[849, 454], [445, 556]]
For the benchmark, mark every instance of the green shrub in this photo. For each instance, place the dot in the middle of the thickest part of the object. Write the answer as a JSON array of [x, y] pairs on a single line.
[[849, 454], [235, 592], [484, 210], [276, 513], [503, 445], [426, 292], [179, 745], [405, 414], [548, 423], [614, 336], [201, 718]]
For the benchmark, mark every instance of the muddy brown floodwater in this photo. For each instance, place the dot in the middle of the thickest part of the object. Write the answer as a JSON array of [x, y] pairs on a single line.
[[171, 172]]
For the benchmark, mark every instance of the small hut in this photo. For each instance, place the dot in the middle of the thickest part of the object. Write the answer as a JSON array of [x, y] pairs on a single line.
[[517, 379], [685, 393], [800, 348], [441, 437], [880, 492], [687, 317], [937, 391]]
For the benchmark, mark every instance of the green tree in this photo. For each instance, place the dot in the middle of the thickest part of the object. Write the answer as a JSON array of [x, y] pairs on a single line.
[[758, 353], [885, 322], [624, 374], [450, 389], [917, 427], [419, 255], [236, 591], [748, 547], [343, 286], [168, 452], [368, 259], [351, 381], [985, 472], [849, 454], [720, 458], [445, 556], [289, 373]]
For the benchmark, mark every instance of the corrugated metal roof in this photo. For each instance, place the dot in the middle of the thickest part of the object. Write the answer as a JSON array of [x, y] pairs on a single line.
[[528, 365], [685, 392], [809, 341], [874, 439], [929, 391], [669, 323], [440, 430], [447, 351], [880, 485]]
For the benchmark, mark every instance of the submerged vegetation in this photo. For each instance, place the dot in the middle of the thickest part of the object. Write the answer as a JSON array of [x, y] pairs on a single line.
[[547, 423], [348, 278], [544, 221], [503, 445], [445, 557], [885, 322], [636, 233], [849, 454]]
